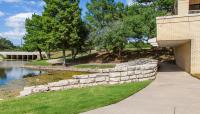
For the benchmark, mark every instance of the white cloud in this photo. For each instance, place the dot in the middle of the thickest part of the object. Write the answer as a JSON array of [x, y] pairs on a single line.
[[42, 3], [17, 25], [1, 13], [130, 2], [32, 2], [17, 21], [15, 34], [10, 1]]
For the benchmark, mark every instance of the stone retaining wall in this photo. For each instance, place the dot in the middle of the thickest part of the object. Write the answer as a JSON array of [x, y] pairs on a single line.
[[61, 68], [133, 71]]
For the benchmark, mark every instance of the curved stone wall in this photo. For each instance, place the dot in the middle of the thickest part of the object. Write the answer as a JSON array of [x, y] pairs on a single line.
[[133, 71]]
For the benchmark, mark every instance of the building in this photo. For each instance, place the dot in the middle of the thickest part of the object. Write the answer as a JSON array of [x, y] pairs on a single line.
[[182, 32]]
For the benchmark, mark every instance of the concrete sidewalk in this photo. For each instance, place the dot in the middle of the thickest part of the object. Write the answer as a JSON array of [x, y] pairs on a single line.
[[173, 92]]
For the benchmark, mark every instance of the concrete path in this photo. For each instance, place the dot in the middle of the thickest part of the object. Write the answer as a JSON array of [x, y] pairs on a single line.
[[173, 92]]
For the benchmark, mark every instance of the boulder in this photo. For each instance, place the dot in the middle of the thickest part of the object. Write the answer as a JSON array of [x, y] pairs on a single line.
[[25, 93], [100, 79], [112, 83], [73, 81], [129, 73], [40, 88], [56, 88], [58, 84], [125, 78], [115, 74], [92, 75], [86, 81], [124, 73], [115, 79]]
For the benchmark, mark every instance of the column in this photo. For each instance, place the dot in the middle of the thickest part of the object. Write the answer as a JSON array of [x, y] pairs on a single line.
[[183, 7]]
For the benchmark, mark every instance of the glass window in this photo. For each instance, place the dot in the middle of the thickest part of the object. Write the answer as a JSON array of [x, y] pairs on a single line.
[[195, 7]]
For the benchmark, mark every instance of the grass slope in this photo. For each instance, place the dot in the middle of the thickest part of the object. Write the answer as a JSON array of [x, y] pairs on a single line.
[[39, 63], [70, 101], [93, 66]]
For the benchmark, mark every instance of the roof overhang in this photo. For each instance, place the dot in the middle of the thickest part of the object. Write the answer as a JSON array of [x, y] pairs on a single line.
[[171, 43], [194, 2]]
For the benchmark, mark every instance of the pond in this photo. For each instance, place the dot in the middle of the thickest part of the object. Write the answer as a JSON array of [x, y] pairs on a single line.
[[11, 70], [13, 78]]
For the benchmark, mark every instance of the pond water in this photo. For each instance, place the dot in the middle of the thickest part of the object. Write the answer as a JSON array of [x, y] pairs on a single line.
[[11, 70], [14, 78]]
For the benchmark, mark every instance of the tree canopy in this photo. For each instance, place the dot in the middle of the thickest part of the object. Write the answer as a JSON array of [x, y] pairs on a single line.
[[115, 23], [103, 12], [59, 27], [108, 25], [6, 44], [35, 37]]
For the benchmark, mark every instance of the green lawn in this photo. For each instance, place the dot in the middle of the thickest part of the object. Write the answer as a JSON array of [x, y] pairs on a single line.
[[39, 63], [93, 66], [71, 101], [1, 58]]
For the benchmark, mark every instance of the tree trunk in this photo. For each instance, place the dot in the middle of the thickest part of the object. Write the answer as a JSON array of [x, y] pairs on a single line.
[[120, 53], [64, 58], [90, 51], [49, 53], [40, 52], [74, 53]]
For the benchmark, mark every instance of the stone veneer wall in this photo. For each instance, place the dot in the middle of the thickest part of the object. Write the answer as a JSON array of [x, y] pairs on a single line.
[[133, 71]]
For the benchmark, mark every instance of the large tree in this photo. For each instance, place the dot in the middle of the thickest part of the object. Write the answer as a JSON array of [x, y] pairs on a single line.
[[35, 38], [168, 6], [65, 18], [138, 22], [113, 38], [149, 10], [103, 12]]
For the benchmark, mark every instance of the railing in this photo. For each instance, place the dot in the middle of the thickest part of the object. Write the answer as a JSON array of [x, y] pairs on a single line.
[[194, 11]]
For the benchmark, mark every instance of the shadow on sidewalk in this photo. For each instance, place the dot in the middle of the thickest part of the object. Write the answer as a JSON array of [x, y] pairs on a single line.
[[168, 67]]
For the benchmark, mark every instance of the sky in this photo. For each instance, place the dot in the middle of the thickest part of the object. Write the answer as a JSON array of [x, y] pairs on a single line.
[[13, 14]]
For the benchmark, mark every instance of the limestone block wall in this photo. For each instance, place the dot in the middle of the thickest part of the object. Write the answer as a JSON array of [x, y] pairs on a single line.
[[134, 71], [183, 56], [195, 55], [183, 7]]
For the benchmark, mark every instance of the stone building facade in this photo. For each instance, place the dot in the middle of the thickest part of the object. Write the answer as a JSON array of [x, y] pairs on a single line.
[[182, 32]]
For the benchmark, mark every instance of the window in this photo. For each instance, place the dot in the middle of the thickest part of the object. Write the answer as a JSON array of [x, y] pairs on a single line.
[[195, 7]]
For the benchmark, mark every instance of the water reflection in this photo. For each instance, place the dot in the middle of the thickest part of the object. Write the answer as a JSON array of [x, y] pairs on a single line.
[[10, 70], [2, 74]]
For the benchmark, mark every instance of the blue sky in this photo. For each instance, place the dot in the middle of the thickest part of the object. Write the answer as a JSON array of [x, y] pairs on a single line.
[[14, 12]]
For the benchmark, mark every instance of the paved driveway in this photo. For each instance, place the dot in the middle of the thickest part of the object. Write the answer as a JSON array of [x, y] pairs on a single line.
[[173, 92]]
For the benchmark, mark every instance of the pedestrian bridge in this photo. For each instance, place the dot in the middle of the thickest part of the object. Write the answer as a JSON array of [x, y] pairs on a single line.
[[22, 55]]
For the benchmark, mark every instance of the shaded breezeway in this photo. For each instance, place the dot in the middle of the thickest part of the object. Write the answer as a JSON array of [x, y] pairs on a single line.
[[173, 92]]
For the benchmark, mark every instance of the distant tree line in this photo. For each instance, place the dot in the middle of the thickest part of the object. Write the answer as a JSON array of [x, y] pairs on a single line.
[[106, 26], [6, 44]]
